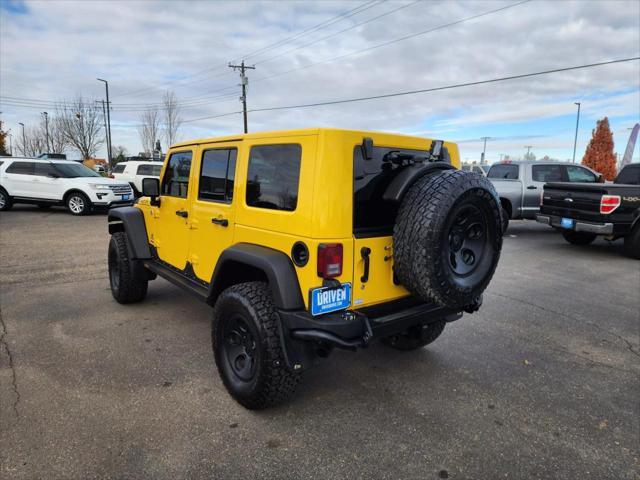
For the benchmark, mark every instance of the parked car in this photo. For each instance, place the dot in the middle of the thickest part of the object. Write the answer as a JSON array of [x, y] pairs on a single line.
[[305, 240], [133, 172], [58, 182], [519, 184], [582, 211]]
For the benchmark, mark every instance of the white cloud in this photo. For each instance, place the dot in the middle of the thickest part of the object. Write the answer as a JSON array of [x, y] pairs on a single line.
[[58, 49]]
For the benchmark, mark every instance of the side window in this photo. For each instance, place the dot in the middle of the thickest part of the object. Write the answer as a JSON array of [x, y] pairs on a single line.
[[176, 176], [579, 174], [45, 169], [119, 168], [273, 176], [144, 170], [546, 173], [217, 174], [504, 171], [21, 168]]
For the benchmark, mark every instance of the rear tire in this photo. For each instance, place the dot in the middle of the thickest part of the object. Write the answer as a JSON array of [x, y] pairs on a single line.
[[578, 238], [447, 238], [415, 337], [128, 278], [247, 349], [78, 203], [631, 246], [6, 202], [505, 220]]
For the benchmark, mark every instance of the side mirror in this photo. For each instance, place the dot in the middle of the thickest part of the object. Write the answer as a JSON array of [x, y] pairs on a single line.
[[367, 148], [600, 178], [151, 189]]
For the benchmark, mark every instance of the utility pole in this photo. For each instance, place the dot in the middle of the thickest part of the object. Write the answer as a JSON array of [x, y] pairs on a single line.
[[528, 147], [106, 86], [484, 149], [24, 140], [575, 140], [46, 128], [243, 82]]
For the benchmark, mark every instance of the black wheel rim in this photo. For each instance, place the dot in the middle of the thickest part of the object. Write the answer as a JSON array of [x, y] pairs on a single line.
[[114, 271], [239, 348], [467, 240], [3, 200]]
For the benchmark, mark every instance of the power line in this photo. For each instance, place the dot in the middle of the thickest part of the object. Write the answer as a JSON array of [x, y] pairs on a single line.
[[339, 32], [339, 17], [427, 90]]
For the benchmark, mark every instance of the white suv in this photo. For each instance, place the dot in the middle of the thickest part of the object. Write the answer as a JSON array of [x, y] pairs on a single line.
[[134, 171], [58, 182]]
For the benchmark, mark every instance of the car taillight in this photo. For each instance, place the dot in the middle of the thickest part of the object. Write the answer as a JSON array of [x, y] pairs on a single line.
[[329, 260], [608, 203]]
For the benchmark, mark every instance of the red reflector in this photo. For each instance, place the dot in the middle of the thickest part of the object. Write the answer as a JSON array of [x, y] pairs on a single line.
[[329, 260], [608, 203]]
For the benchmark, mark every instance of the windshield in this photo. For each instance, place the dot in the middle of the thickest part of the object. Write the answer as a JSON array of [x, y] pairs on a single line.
[[74, 170], [504, 170]]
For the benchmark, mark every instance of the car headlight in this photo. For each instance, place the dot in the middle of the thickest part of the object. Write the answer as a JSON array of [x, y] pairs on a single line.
[[98, 186]]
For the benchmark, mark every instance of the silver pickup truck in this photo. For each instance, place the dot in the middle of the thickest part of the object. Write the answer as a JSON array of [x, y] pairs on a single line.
[[519, 184]]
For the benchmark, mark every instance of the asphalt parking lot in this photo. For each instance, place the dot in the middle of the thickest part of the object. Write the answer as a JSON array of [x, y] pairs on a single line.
[[543, 382]]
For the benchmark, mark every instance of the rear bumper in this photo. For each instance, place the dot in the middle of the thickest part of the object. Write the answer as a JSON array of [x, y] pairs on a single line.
[[578, 225], [305, 337]]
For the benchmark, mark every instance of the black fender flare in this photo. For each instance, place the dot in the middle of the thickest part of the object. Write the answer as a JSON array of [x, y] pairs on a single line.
[[275, 265], [399, 186], [131, 221]]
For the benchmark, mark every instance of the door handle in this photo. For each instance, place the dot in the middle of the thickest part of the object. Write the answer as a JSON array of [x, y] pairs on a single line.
[[365, 252], [182, 213], [532, 187], [223, 222]]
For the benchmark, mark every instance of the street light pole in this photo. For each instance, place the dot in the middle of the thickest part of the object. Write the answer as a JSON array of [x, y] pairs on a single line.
[[46, 129], [528, 147], [575, 140], [24, 140], [106, 86]]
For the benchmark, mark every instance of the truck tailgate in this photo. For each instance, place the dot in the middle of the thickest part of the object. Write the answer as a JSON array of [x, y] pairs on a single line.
[[573, 200]]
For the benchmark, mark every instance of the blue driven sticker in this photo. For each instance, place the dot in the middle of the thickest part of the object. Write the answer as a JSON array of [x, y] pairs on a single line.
[[330, 299], [566, 222]]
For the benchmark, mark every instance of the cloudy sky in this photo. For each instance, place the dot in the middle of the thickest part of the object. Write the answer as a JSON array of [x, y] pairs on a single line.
[[308, 52]]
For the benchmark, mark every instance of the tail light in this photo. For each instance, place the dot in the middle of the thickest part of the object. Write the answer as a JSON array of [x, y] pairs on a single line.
[[608, 203], [329, 260]]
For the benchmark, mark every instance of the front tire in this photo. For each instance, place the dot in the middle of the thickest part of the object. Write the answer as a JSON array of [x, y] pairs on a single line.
[[78, 203], [247, 349], [415, 337], [6, 201], [578, 238], [631, 247], [128, 278]]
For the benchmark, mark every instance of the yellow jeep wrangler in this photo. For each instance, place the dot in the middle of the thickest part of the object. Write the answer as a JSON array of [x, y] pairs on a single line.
[[307, 240]]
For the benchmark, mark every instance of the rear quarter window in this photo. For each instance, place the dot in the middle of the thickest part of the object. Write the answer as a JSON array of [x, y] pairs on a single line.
[[273, 176], [118, 168], [504, 171], [149, 170], [21, 168]]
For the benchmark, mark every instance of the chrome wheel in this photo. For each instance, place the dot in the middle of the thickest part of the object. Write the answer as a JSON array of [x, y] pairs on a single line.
[[76, 204]]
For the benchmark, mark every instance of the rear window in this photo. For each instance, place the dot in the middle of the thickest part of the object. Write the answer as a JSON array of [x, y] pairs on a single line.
[[546, 173], [629, 175], [151, 170], [119, 168], [21, 168], [273, 176], [504, 171], [372, 216]]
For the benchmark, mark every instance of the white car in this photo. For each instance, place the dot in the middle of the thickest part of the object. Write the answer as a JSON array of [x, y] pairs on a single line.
[[58, 182], [134, 171]]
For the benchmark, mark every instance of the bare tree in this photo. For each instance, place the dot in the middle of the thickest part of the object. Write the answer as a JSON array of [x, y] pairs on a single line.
[[58, 141], [81, 124], [171, 117], [149, 129], [33, 142]]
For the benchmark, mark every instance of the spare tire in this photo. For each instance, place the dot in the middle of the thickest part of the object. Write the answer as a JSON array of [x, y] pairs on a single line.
[[447, 238]]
